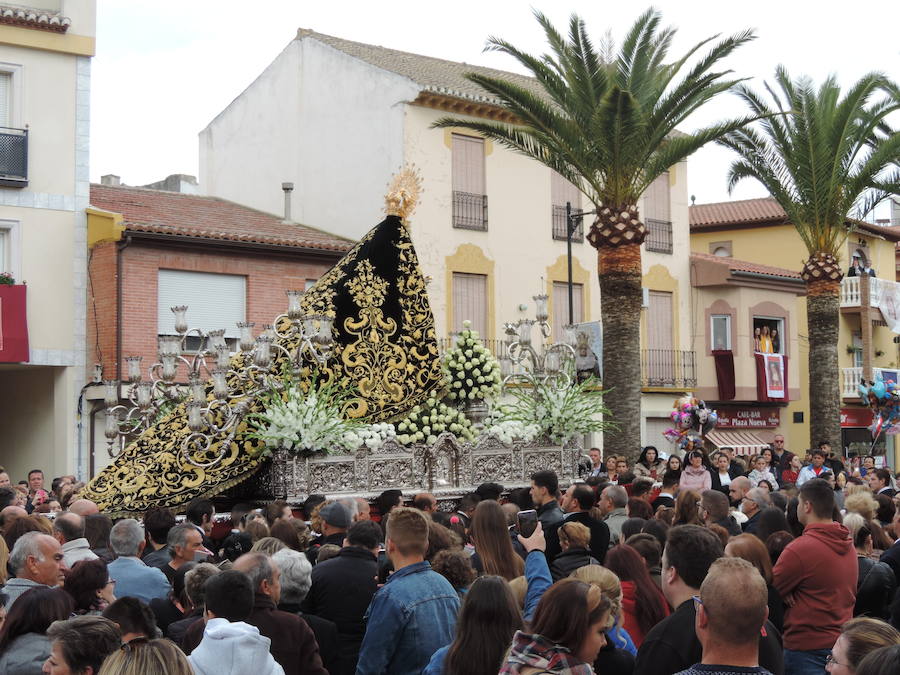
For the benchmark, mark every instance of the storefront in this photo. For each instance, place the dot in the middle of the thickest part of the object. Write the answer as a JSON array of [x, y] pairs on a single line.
[[746, 429], [856, 437]]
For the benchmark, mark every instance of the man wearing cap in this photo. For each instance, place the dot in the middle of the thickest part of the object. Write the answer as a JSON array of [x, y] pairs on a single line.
[[335, 522]]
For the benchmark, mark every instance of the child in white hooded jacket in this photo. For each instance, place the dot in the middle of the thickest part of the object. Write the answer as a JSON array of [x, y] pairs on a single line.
[[229, 645]]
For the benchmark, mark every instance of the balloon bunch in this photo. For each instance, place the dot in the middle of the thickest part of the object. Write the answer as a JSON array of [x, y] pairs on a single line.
[[884, 400], [691, 418]]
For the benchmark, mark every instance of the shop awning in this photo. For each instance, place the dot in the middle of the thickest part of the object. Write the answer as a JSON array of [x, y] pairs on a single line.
[[743, 442]]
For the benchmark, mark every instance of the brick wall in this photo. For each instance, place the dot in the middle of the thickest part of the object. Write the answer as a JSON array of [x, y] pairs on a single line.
[[101, 309], [268, 277]]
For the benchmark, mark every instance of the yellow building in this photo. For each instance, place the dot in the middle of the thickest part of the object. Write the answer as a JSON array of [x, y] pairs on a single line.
[[45, 75], [753, 233]]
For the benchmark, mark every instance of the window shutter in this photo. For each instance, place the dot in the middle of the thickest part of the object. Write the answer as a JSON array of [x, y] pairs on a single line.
[[214, 301], [5, 88], [468, 164], [562, 191], [470, 302], [5, 256], [656, 199]]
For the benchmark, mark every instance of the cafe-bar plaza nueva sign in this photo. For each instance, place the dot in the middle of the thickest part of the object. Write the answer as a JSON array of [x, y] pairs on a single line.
[[748, 418]]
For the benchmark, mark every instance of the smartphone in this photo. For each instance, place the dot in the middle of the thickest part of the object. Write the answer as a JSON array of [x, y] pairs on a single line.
[[527, 522]]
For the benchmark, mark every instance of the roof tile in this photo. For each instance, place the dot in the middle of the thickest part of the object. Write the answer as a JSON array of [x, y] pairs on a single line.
[[742, 211], [176, 213], [735, 265], [433, 75]]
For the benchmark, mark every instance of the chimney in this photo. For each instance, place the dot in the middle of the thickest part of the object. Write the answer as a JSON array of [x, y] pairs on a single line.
[[111, 179], [288, 188]]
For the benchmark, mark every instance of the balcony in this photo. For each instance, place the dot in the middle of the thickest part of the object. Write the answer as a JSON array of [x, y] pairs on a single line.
[[852, 293], [668, 369], [851, 378], [13, 157], [559, 226], [470, 211], [659, 236]]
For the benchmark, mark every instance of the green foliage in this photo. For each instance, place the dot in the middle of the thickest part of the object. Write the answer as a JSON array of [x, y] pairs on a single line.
[[822, 157], [560, 411], [605, 119]]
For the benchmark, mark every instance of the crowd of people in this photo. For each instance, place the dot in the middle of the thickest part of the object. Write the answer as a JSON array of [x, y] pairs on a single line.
[[706, 564]]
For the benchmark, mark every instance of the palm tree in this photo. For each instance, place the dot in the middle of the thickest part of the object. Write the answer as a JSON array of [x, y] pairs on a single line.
[[824, 159], [606, 121]]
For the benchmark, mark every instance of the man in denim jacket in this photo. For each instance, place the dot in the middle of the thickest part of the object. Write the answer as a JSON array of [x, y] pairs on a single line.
[[414, 613]]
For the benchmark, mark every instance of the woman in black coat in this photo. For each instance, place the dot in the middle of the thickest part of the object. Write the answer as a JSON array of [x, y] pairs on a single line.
[[876, 584], [575, 539]]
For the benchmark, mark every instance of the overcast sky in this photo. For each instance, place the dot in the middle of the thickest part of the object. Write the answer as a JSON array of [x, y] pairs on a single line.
[[165, 68]]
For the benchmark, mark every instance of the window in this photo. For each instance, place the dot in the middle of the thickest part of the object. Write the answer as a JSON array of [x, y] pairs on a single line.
[[470, 302], [657, 215], [720, 331], [857, 346], [469, 198], [309, 283], [5, 99], [562, 191], [561, 307], [9, 249], [721, 249], [214, 301], [768, 332]]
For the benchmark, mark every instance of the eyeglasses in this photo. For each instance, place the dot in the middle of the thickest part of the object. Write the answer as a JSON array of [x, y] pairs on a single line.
[[111, 582], [831, 660], [698, 601]]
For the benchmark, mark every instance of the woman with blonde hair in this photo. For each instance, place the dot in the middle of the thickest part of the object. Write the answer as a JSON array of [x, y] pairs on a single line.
[[611, 587], [268, 545], [575, 541], [862, 503], [875, 583], [859, 637], [147, 657]]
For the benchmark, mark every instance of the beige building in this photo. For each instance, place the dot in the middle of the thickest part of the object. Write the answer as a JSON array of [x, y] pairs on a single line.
[[338, 118], [45, 76]]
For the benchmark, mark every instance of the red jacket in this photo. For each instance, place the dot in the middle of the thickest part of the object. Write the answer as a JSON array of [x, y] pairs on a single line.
[[818, 571]]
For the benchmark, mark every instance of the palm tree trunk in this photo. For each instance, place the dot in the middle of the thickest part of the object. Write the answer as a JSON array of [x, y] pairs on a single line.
[[822, 317], [619, 271]]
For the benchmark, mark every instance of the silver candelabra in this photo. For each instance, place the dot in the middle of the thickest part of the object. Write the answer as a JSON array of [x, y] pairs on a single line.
[[216, 411]]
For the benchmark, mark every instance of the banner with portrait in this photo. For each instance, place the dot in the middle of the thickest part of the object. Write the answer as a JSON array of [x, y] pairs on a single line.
[[888, 301], [774, 368]]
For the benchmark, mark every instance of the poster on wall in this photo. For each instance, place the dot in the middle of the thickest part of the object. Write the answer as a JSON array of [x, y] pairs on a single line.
[[889, 304], [774, 376]]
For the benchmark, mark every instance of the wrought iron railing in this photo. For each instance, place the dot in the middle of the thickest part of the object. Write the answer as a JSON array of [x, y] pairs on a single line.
[[659, 235], [668, 368], [13, 157], [559, 225], [470, 211]]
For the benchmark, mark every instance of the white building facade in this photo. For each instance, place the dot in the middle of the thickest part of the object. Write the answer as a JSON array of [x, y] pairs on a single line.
[[45, 75], [338, 118]]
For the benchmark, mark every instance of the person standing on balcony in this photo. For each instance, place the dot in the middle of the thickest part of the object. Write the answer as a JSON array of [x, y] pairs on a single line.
[[765, 341], [857, 269]]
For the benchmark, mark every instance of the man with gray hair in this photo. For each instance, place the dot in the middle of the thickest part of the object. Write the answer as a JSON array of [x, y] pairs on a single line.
[[752, 505], [184, 542], [68, 528], [296, 579], [352, 507], [37, 560], [293, 643], [613, 501], [133, 578]]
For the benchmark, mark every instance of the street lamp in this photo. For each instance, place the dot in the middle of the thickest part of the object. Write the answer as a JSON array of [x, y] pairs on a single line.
[[573, 220]]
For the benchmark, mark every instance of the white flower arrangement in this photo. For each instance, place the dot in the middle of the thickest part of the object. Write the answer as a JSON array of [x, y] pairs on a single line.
[[311, 422], [559, 411], [509, 431], [427, 421], [471, 369]]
